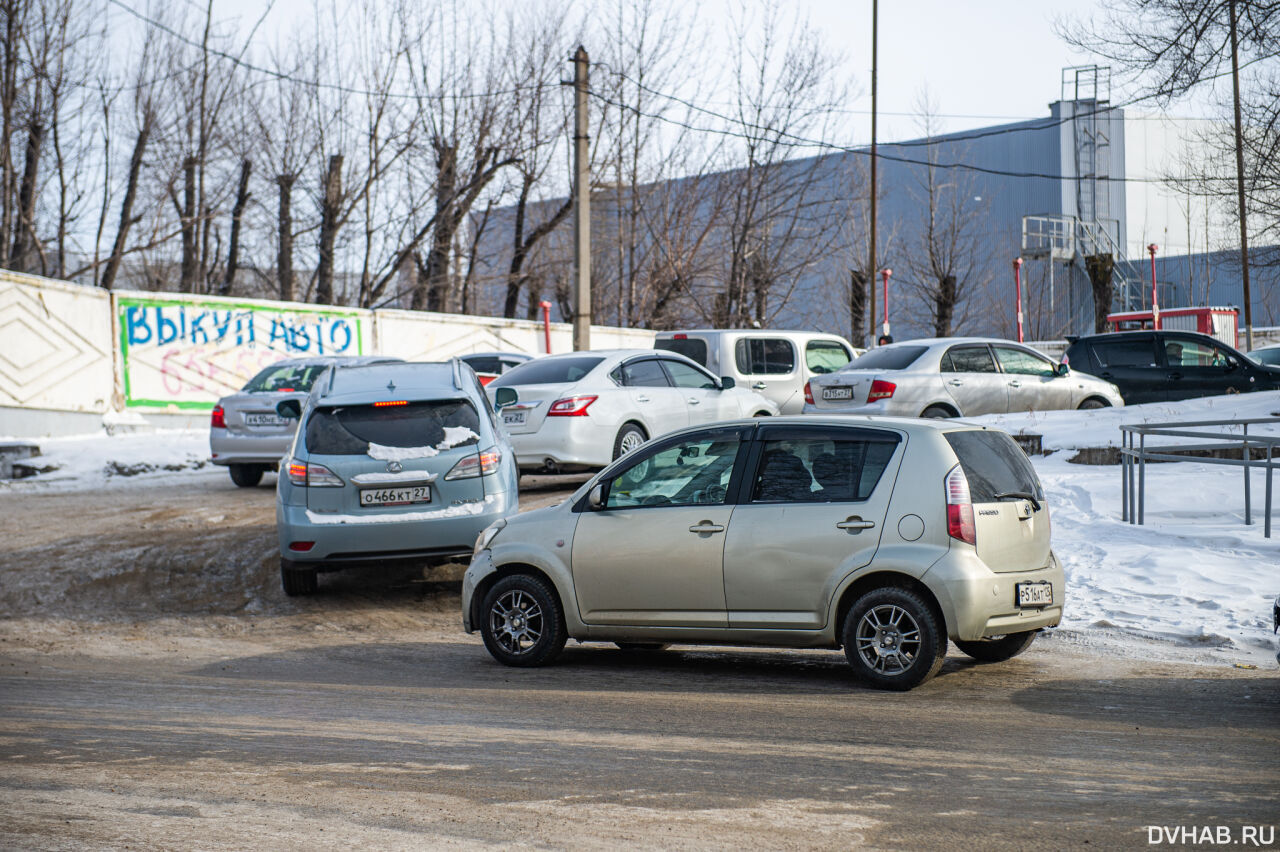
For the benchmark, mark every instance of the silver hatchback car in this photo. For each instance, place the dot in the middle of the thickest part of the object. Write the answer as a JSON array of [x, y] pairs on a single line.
[[246, 435], [882, 536], [391, 462]]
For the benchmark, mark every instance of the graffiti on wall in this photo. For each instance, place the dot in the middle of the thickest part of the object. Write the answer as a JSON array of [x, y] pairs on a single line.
[[187, 353]]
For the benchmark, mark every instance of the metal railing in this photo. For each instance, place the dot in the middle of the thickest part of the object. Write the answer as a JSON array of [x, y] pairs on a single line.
[[1133, 459]]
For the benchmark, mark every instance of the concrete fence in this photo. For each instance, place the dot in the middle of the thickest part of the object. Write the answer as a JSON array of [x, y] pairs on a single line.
[[74, 359]]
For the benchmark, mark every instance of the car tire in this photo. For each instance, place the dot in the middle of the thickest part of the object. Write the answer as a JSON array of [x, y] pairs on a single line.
[[298, 581], [246, 475], [998, 650], [762, 414], [936, 412], [643, 646], [1092, 403], [893, 639], [522, 609], [629, 437]]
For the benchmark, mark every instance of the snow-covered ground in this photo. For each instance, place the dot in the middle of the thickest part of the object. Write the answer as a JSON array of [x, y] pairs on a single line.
[[1193, 584]]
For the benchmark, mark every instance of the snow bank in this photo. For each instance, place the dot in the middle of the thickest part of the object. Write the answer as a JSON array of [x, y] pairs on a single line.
[[99, 460]]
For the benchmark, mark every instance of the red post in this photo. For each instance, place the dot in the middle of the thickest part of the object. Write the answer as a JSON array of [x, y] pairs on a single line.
[[546, 323], [885, 273], [1155, 308], [1017, 286]]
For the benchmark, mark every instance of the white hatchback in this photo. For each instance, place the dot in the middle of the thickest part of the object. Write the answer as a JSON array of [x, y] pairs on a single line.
[[582, 410]]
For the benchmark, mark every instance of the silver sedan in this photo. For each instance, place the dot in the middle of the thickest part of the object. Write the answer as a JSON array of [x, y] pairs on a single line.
[[955, 377]]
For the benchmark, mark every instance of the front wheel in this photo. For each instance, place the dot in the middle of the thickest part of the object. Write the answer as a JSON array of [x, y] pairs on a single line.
[[936, 412], [893, 639], [1093, 403], [522, 623], [999, 649], [246, 475]]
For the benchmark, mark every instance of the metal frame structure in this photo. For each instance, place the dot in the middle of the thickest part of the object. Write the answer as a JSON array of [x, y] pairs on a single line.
[[1133, 495]]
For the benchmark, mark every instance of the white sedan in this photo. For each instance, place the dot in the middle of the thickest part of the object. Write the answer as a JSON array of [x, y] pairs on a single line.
[[582, 410]]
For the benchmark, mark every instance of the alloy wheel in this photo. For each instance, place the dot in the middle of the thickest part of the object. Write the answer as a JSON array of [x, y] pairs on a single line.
[[888, 639], [516, 621]]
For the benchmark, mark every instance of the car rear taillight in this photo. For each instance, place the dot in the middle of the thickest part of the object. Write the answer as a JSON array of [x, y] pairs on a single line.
[[217, 418], [571, 406], [301, 546], [808, 393], [482, 464], [880, 389], [959, 507], [312, 475]]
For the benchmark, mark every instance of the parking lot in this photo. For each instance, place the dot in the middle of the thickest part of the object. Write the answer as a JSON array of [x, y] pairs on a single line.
[[159, 690]]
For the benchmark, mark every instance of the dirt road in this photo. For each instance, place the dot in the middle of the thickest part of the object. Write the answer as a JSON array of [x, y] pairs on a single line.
[[157, 691]]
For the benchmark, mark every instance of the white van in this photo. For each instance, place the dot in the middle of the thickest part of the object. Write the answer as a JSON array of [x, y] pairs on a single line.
[[776, 364]]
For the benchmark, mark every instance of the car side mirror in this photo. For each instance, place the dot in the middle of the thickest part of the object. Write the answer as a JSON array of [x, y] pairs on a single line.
[[290, 409], [1231, 364], [1064, 370], [504, 397], [595, 498], [728, 383]]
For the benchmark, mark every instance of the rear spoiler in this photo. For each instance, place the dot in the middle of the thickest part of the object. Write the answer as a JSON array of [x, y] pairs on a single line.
[[1071, 338]]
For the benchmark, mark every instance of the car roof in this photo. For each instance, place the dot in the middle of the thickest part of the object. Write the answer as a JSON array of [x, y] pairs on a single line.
[[406, 380], [908, 424], [521, 355], [757, 332]]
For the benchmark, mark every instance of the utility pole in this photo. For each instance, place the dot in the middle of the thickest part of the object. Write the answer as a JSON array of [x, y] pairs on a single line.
[[1244, 222], [871, 262], [581, 205]]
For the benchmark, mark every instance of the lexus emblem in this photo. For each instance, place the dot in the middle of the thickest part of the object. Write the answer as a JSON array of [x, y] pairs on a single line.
[[394, 466]]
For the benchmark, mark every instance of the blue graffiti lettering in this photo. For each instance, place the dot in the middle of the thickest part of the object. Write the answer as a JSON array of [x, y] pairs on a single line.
[[340, 326], [166, 328], [139, 331]]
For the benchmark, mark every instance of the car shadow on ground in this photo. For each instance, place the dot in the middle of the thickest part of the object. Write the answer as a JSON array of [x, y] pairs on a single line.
[[1159, 701]]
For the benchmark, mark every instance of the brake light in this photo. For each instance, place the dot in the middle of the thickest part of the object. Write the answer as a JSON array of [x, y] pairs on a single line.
[[482, 464], [218, 418], [571, 406], [312, 475], [808, 393], [880, 389], [394, 402], [960, 507], [679, 337]]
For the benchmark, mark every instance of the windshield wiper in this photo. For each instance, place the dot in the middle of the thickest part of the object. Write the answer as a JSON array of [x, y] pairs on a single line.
[[1021, 495]]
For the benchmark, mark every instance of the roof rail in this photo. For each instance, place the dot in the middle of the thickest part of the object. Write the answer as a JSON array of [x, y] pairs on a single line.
[[457, 372]]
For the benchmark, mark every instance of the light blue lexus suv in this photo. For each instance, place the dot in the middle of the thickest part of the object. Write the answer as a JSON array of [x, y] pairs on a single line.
[[390, 462]]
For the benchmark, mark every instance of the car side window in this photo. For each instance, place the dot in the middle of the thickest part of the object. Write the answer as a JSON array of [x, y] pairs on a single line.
[[1023, 363], [691, 473], [1125, 353], [684, 376], [969, 359], [825, 356], [821, 469], [1189, 353], [764, 356], [644, 374]]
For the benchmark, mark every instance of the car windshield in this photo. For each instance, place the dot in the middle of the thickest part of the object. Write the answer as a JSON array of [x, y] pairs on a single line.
[[547, 371], [285, 378], [1269, 356], [350, 429], [887, 358]]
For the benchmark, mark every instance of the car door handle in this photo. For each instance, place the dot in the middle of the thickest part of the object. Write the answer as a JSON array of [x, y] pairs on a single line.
[[1015, 384], [1175, 375], [694, 400], [855, 523], [642, 399], [705, 527], [759, 386], [955, 383]]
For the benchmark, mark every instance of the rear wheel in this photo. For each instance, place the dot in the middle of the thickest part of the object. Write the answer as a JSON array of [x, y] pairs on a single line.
[[642, 646], [1094, 402], [893, 639], [629, 437], [521, 622], [297, 581], [937, 412], [246, 475], [999, 649]]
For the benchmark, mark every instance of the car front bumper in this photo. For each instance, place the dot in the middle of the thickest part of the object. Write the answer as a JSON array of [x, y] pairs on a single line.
[[978, 602], [343, 539], [481, 566]]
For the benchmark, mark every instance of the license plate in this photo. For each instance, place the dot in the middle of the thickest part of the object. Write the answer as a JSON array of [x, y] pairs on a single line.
[[395, 496], [264, 420], [513, 418], [1035, 594], [838, 392]]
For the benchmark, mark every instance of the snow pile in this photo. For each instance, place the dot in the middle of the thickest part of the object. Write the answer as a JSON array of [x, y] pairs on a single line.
[[453, 436], [459, 511], [99, 459]]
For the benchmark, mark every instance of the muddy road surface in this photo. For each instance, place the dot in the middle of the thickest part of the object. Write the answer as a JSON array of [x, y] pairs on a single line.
[[158, 691]]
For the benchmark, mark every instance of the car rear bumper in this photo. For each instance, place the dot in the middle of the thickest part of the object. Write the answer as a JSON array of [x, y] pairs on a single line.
[[345, 539], [565, 441], [227, 447], [978, 602]]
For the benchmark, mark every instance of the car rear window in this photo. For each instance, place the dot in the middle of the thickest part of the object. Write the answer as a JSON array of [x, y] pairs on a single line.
[[284, 378], [1125, 353], [349, 430], [887, 358], [689, 347], [993, 464], [546, 371]]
